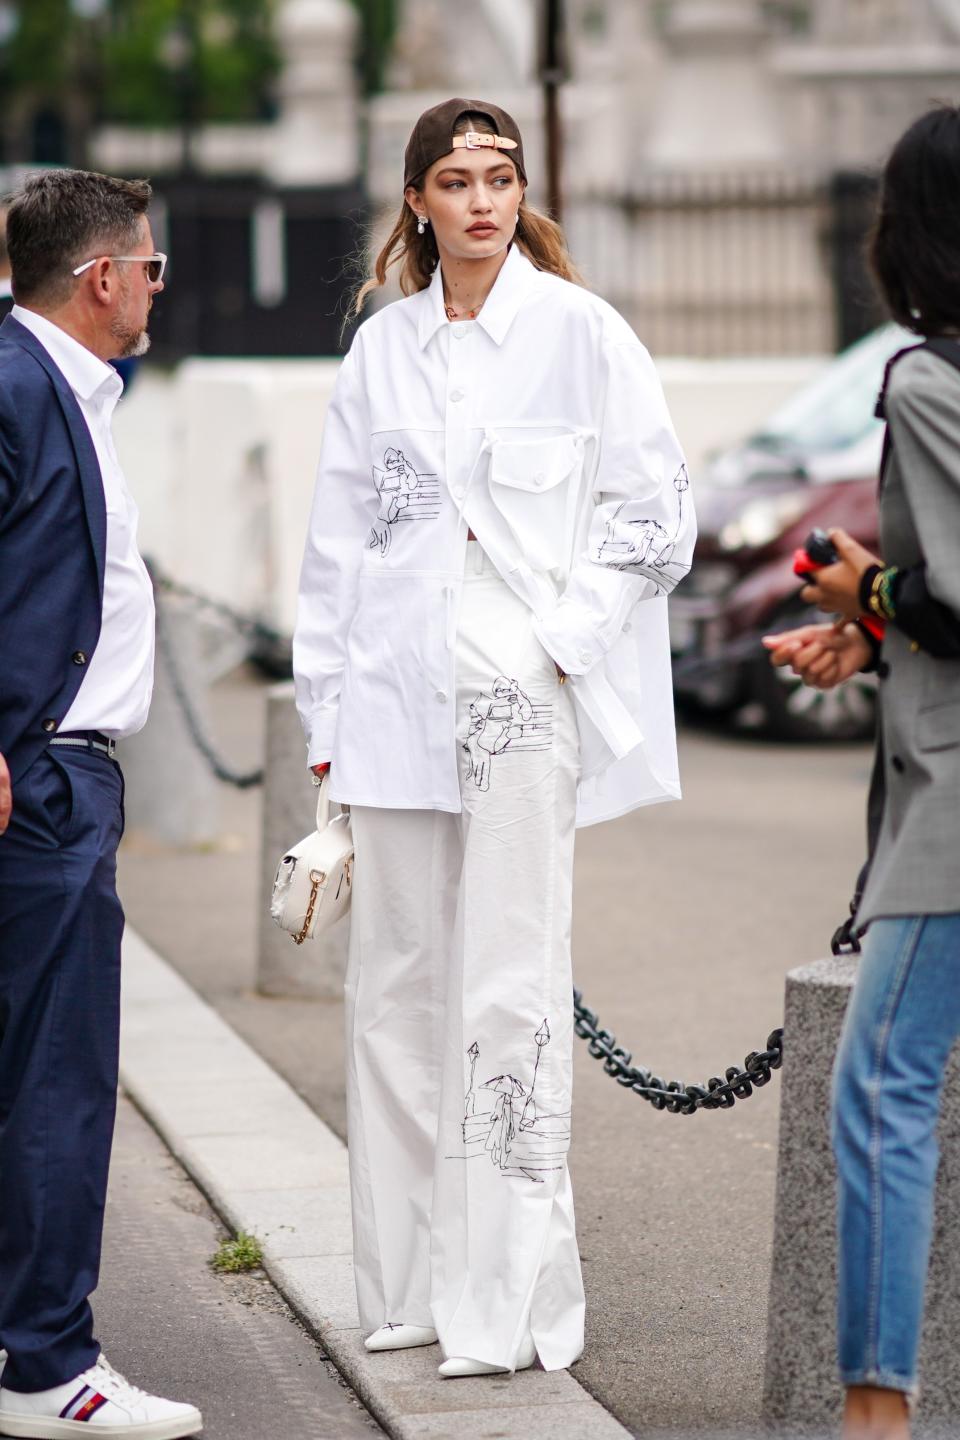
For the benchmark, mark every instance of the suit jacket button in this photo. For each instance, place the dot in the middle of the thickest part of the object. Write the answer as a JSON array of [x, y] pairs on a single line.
[[897, 764], [49, 726], [79, 658]]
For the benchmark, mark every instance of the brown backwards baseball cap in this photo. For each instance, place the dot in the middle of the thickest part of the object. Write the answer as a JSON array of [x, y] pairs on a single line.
[[433, 136]]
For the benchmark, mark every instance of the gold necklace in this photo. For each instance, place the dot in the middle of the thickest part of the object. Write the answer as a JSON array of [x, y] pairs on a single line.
[[451, 314]]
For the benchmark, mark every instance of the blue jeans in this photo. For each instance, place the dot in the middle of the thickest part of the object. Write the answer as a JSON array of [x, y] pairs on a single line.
[[903, 1018]]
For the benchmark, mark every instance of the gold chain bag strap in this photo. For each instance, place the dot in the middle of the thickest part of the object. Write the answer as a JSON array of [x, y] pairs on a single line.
[[314, 879]]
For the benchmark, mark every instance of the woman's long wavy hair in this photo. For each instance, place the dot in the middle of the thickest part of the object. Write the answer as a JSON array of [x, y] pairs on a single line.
[[539, 237]]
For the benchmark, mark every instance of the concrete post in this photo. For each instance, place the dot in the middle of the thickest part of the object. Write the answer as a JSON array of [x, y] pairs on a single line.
[[316, 968], [316, 139], [801, 1391]]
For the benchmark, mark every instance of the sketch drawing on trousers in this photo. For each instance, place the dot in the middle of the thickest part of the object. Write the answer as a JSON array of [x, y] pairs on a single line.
[[499, 721], [519, 1145], [403, 496], [643, 544]]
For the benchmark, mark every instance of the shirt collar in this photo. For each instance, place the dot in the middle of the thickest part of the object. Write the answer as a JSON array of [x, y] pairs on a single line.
[[510, 288], [83, 371]]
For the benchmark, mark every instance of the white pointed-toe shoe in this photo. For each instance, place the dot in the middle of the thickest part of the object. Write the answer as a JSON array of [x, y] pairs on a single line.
[[401, 1337], [459, 1365]]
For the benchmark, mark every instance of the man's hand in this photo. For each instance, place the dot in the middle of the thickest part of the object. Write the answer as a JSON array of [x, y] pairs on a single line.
[[6, 796], [836, 588], [822, 655]]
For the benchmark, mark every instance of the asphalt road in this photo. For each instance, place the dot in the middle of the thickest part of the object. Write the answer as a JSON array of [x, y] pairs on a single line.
[[687, 918], [225, 1343]]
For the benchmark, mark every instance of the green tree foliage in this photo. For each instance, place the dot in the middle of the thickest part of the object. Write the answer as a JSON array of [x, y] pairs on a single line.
[[150, 59], [378, 27], [218, 54]]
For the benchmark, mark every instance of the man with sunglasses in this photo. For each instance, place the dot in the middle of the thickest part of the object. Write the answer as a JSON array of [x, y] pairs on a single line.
[[76, 675]]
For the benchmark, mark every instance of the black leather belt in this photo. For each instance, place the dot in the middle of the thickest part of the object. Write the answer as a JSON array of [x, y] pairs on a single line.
[[87, 740]]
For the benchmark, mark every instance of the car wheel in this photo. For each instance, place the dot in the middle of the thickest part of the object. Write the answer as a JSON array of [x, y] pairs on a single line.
[[794, 711]]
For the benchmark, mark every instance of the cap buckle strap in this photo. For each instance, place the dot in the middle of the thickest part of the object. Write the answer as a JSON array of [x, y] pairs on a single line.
[[474, 140]]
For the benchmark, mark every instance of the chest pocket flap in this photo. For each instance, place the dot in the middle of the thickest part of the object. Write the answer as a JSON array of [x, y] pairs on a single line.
[[535, 485], [535, 465]]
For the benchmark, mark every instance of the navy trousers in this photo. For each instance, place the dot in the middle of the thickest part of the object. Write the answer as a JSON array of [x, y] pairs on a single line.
[[60, 931]]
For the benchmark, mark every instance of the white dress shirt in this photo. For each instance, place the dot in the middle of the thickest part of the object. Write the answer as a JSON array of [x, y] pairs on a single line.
[[541, 426], [114, 695]]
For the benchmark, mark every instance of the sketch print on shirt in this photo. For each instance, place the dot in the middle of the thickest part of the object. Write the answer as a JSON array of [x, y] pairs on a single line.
[[643, 546], [501, 1122], [504, 720], [404, 495]]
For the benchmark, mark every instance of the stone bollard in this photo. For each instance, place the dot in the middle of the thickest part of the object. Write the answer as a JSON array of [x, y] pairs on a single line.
[[316, 968], [801, 1392]]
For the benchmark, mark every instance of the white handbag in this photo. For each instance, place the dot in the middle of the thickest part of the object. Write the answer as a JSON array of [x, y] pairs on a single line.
[[314, 880]]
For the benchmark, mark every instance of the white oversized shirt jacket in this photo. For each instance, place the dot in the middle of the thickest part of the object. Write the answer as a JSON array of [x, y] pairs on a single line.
[[541, 426]]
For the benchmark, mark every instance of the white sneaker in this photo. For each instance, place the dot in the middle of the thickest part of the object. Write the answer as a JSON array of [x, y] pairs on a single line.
[[98, 1402]]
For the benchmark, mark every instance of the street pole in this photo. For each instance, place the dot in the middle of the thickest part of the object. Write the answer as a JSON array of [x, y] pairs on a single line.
[[553, 72]]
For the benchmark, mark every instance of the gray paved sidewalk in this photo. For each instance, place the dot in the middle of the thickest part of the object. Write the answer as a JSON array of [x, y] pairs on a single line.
[[226, 1343], [687, 919]]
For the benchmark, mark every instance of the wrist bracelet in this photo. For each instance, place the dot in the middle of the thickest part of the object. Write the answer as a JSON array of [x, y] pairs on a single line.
[[881, 599]]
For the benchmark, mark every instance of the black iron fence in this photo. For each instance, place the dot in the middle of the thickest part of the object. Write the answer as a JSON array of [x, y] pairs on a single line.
[[738, 263], [770, 263], [254, 270]]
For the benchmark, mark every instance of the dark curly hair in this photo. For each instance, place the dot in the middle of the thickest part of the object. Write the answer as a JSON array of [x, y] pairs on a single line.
[[914, 246]]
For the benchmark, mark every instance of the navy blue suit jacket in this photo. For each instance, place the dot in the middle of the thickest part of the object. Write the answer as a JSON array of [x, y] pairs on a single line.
[[53, 531]]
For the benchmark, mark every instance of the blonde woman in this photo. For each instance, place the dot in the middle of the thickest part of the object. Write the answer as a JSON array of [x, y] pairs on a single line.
[[468, 663]]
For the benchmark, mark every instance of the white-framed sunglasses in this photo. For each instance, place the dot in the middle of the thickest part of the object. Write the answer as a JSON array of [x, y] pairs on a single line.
[[155, 264]]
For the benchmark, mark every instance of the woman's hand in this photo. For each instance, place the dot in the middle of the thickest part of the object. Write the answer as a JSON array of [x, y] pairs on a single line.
[[822, 655], [6, 797], [836, 588]]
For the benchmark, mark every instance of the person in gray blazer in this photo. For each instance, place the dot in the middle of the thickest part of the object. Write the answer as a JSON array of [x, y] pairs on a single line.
[[904, 1014]]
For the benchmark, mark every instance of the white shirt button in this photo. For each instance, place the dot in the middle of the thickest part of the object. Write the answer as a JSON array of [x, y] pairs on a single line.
[[456, 396], [585, 657], [441, 697], [626, 627], [539, 478], [460, 332]]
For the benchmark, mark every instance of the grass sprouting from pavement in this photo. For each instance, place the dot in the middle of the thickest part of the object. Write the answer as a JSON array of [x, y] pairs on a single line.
[[232, 1257]]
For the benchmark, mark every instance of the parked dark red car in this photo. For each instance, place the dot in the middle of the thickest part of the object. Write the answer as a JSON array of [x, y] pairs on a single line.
[[815, 463]]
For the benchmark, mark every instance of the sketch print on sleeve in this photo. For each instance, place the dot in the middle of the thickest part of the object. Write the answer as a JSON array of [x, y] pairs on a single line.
[[643, 546], [505, 719], [502, 1122], [405, 494]]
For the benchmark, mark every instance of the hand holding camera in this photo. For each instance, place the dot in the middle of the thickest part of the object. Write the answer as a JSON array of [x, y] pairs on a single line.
[[834, 564]]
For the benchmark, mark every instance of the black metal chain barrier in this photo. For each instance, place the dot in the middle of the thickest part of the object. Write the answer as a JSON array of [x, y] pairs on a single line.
[[256, 631], [252, 629], [673, 1095]]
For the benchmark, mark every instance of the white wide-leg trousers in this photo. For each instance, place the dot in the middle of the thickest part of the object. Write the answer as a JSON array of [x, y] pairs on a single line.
[[459, 1017]]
